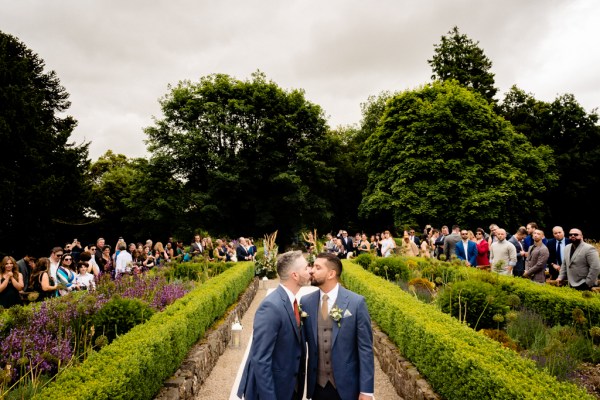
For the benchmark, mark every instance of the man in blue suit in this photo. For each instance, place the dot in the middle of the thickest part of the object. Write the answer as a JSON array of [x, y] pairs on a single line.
[[556, 251], [339, 336], [466, 250], [276, 363]]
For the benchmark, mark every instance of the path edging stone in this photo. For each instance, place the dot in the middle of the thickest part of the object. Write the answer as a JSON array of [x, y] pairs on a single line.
[[202, 358], [403, 375]]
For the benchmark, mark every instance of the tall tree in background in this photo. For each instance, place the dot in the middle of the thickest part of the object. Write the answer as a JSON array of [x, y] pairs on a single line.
[[458, 57], [137, 199], [254, 157], [44, 175], [441, 155], [574, 136]]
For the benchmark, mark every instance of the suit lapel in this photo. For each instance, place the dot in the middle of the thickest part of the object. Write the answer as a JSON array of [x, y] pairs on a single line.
[[290, 311], [342, 303]]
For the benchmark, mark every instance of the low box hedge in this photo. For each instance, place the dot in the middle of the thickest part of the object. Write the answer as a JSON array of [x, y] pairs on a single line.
[[458, 362], [554, 304], [136, 364]]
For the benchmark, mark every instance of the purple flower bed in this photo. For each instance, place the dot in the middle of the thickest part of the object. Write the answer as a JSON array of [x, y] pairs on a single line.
[[53, 334]]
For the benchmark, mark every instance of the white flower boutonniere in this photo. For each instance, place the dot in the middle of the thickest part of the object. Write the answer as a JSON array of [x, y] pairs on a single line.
[[336, 314], [303, 314]]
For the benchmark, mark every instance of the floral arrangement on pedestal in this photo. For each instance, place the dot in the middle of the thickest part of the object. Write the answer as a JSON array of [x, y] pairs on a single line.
[[313, 247], [266, 263]]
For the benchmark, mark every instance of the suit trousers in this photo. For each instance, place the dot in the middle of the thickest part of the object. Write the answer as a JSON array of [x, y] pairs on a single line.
[[326, 393]]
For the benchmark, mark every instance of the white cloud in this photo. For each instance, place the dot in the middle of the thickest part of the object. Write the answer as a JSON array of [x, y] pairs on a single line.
[[117, 58]]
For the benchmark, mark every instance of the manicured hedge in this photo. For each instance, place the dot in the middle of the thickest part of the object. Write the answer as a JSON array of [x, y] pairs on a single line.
[[136, 364], [458, 362], [554, 304]]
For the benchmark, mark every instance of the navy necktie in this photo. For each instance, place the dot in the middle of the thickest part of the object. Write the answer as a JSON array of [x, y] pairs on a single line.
[[558, 253]]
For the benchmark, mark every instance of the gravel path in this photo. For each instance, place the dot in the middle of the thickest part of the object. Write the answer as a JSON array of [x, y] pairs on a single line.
[[224, 378]]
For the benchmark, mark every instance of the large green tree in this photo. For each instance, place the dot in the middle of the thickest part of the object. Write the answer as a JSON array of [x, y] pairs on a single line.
[[440, 154], [460, 58], [254, 157], [574, 136], [137, 199], [44, 174]]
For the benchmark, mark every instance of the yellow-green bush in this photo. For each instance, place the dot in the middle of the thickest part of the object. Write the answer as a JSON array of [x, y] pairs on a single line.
[[135, 365], [458, 362]]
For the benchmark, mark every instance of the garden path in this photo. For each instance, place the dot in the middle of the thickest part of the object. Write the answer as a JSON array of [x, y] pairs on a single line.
[[225, 376]]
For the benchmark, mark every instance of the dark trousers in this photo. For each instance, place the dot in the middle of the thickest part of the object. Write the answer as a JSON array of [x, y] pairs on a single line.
[[326, 393]]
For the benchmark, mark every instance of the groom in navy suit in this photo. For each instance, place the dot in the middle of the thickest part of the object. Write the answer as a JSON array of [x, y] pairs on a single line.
[[339, 336], [276, 363]]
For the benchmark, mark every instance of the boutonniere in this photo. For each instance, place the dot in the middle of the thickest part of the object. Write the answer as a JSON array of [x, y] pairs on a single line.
[[303, 314], [336, 314]]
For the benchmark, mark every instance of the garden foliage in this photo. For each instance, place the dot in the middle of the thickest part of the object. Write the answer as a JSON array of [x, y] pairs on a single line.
[[458, 362], [136, 364]]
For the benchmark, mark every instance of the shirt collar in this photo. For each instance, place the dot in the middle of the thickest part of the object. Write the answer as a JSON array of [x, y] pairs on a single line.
[[289, 293], [332, 295]]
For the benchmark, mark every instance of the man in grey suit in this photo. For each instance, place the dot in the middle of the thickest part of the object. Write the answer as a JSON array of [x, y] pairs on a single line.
[[339, 336], [276, 363], [450, 242], [580, 264]]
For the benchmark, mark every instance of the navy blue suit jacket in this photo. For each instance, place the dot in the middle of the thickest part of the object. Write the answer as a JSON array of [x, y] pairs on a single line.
[[471, 249], [552, 256], [277, 356], [351, 347]]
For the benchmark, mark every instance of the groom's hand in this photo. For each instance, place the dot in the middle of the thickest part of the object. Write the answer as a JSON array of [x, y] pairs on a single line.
[[365, 397]]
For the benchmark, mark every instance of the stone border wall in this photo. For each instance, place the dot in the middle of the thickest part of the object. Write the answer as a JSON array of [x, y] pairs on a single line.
[[202, 358], [405, 378]]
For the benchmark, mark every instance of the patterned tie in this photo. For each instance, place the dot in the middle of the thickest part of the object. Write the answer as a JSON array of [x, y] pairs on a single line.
[[558, 253], [296, 312], [324, 310]]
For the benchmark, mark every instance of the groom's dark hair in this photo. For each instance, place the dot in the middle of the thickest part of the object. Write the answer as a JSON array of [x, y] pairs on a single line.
[[333, 262]]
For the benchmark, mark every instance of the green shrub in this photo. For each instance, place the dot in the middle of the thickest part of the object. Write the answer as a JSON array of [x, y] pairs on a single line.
[[136, 364], [474, 302], [365, 260], [442, 273], [527, 329], [389, 267], [458, 362], [119, 315]]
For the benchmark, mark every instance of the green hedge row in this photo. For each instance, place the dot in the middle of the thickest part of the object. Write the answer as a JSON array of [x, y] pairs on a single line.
[[458, 362], [136, 364], [554, 304]]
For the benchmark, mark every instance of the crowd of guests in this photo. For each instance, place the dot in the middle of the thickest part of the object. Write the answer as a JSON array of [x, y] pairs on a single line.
[[74, 267], [527, 253]]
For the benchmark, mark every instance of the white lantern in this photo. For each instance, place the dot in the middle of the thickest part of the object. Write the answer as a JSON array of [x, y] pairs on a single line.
[[236, 334], [264, 283]]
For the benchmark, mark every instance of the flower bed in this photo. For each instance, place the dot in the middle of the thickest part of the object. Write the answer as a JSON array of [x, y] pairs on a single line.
[[135, 365], [458, 362]]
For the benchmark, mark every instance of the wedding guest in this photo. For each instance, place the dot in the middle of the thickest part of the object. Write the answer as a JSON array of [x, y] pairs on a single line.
[[84, 280], [364, 245], [425, 247], [41, 281], [483, 249], [409, 247], [66, 275], [26, 265], [11, 282], [106, 263], [93, 268]]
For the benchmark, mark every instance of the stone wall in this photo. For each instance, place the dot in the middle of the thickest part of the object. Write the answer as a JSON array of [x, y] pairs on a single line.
[[201, 359], [405, 378]]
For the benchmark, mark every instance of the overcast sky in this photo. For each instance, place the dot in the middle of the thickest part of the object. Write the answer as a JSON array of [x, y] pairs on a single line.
[[116, 58]]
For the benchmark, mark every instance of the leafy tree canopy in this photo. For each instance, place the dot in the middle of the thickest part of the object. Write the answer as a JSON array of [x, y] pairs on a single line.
[[574, 136], [458, 57], [253, 157], [44, 175], [137, 199], [440, 154]]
